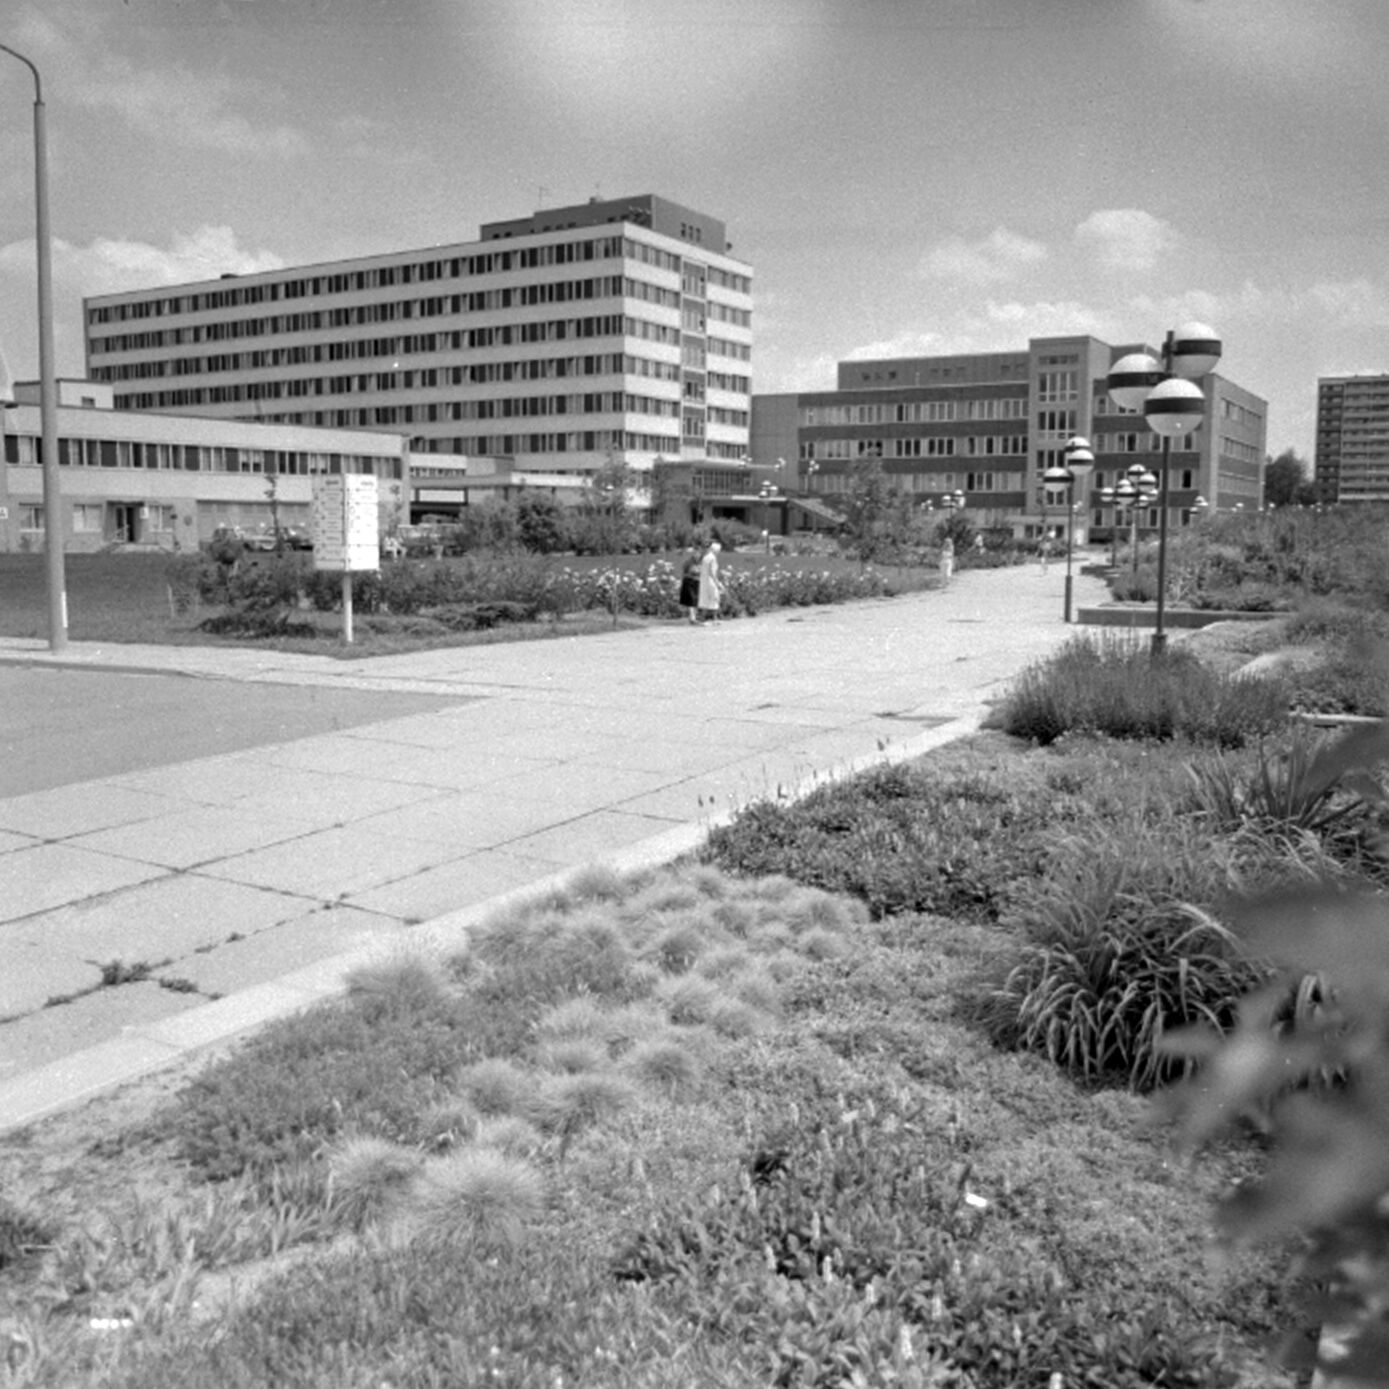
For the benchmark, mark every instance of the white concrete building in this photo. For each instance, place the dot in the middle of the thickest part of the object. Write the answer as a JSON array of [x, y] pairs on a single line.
[[618, 329]]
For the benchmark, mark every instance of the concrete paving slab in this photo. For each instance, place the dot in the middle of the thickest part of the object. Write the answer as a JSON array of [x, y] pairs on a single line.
[[36, 972], [69, 1028], [63, 811], [281, 948], [330, 864], [321, 800], [464, 822], [569, 787], [587, 837], [53, 875], [9, 841], [462, 882], [215, 781], [199, 835], [169, 918]]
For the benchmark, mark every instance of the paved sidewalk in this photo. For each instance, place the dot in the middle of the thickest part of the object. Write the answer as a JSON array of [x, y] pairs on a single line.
[[146, 915]]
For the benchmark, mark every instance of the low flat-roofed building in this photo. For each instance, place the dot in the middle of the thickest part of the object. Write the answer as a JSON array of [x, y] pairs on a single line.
[[169, 481]]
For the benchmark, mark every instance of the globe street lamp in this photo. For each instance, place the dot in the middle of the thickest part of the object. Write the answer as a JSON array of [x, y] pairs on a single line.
[[48, 383], [767, 492], [1173, 405], [953, 502], [1078, 454], [1138, 489]]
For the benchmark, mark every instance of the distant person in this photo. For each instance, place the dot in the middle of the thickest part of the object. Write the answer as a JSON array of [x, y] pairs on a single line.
[[1044, 554], [709, 588], [689, 585], [947, 559]]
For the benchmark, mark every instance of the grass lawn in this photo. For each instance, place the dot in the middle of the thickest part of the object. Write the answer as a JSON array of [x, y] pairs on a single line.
[[125, 598], [687, 1129]]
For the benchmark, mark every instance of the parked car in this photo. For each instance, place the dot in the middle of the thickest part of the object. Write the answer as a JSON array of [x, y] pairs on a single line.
[[286, 538]]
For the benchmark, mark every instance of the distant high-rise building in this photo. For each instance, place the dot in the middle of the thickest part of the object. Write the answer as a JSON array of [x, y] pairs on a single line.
[[608, 330], [990, 424], [1352, 458]]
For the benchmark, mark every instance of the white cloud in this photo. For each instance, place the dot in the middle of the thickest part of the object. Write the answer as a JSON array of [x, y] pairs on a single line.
[[201, 108], [109, 266], [997, 257], [1126, 238]]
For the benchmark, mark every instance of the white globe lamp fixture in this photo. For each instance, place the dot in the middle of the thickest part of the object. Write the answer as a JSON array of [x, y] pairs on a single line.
[[1173, 405]]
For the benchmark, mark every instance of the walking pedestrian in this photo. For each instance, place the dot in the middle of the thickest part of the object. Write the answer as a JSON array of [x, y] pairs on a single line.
[[689, 585], [947, 559], [709, 588]]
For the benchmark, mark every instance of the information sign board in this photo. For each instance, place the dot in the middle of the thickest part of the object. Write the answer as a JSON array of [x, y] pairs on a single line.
[[346, 526]]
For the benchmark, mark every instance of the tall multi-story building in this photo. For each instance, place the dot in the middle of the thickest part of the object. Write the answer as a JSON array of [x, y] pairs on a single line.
[[608, 330], [1352, 458], [988, 425]]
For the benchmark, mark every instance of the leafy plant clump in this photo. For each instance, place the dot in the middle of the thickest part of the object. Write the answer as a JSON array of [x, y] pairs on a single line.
[[1330, 1165]]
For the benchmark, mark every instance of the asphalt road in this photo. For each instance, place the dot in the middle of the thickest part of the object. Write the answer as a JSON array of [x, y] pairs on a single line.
[[64, 725]]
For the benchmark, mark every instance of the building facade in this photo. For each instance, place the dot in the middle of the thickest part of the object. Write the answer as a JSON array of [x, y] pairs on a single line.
[[1352, 454], [989, 425], [617, 329], [165, 481]]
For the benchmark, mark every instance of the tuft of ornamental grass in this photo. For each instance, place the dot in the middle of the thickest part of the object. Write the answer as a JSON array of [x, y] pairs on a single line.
[[367, 1175], [539, 959], [667, 1063], [568, 1104], [475, 1194], [497, 1086], [401, 983], [572, 1055], [512, 1135], [447, 1123], [1116, 686], [689, 1000], [676, 949]]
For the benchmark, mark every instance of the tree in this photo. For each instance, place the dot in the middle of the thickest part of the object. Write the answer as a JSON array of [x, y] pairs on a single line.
[[868, 507], [1287, 480], [539, 522], [607, 505]]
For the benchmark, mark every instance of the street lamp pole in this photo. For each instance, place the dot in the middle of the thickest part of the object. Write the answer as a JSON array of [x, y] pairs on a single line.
[[1173, 405], [48, 385]]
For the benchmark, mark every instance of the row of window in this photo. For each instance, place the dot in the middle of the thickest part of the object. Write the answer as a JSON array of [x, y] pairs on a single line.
[[1134, 441], [1055, 386], [208, 458], [937, 446], [359, 315], [1238, 449], [577, 441], [917, 412], [932, 482], [605, 247], [1241, 414], [504, 335]]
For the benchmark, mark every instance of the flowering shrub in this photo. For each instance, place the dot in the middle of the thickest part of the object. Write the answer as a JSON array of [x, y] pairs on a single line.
[[746, 592]]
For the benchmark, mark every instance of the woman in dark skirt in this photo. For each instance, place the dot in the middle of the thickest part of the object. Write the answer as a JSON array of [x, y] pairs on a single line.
[[689, 585]]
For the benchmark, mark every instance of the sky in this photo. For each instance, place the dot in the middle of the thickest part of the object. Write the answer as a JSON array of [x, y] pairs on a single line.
[[904, 176]]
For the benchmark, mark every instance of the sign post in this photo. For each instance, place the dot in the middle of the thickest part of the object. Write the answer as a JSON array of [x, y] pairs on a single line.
[[346, 532]]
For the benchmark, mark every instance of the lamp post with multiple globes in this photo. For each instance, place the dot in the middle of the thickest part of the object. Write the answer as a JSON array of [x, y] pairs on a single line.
[[1173, 405], [1078, 455]]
